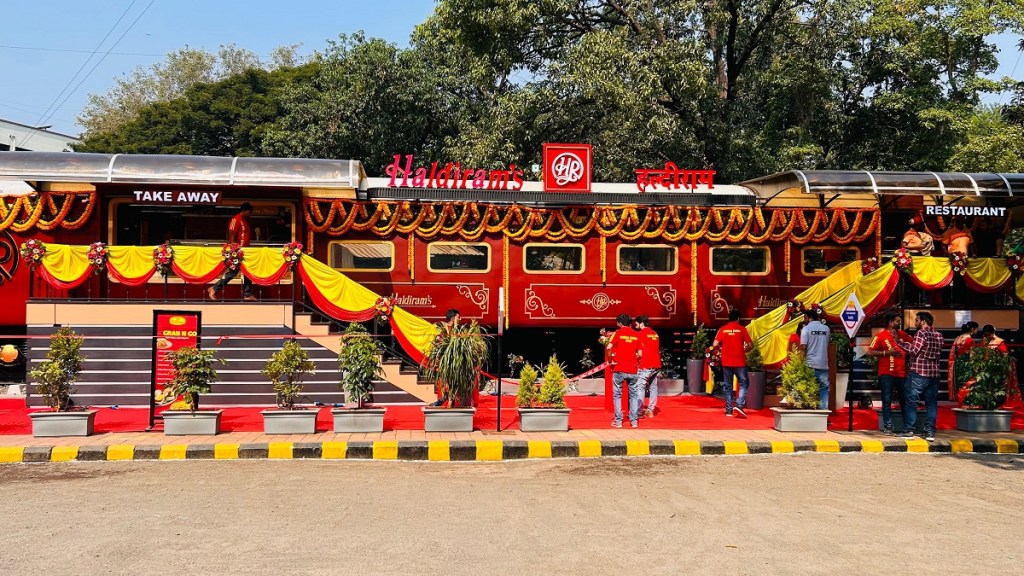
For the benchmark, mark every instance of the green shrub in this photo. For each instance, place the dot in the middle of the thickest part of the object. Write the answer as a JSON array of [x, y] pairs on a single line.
[[193, 374], [799, 386], [56, 375], [699, 344], [527, 395], [286, 368], [844, 350], [454, 359], [552, 391], [359, 363], [989, 369], [754, 361]]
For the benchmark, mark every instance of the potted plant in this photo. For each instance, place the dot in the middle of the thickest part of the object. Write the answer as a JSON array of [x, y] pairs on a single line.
[[359, 363], [454, 361], [844, 360], [543, 411], [984, 393], [595, 382], [800, 391], [756, 378], [695, 364], [55, 378], [193, 375], [669, 382], [286, 368]]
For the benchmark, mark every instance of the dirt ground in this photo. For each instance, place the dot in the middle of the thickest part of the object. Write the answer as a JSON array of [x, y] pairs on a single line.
[[802, 514]]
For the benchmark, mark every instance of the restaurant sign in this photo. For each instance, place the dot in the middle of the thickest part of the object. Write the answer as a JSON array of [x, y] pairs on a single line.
[[568, 167], [451, 175], [671, 177], [177, 197]]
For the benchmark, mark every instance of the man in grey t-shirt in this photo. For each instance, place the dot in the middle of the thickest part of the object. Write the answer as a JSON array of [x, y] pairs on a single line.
[[814, 341]]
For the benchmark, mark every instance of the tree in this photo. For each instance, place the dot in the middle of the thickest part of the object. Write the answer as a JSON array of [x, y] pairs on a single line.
[[168, 80]]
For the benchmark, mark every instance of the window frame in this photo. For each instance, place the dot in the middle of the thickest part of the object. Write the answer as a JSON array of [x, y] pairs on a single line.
[[490, 253], [803, 249], [675, 260], [330, 250], [768, 260], [583, 258]]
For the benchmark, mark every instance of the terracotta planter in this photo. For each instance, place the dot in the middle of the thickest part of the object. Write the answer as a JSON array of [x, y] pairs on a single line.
[[982, 420], [448, 419], [544, 419], [185, 423], [794, 420], [352, 420], [48, 424], [289, 421]]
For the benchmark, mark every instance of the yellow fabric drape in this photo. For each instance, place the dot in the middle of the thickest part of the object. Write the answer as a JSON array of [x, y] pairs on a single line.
[[197, 261], [262, 262], [931, 271], [988, 272], [66, 263], [131, 261], [337, 288], [774, 346], [867, 288], [816, 293], [418, 332], [1020, 288]]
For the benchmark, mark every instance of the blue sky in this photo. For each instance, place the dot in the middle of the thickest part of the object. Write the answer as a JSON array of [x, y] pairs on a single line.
[[40, 41]]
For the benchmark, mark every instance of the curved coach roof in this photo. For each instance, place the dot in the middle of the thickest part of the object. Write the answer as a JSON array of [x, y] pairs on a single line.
[[832, 182], [179, 169]]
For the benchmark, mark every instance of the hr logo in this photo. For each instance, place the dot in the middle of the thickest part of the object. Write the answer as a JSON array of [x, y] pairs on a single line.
[[567, 167]]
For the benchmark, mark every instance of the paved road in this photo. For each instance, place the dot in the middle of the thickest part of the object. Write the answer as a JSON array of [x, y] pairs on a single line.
[[802, 514]]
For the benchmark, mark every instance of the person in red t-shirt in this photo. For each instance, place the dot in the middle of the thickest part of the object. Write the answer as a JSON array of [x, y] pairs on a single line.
[[735, 342], [892, 364], [238, 233], [648, 364], [623, 350]]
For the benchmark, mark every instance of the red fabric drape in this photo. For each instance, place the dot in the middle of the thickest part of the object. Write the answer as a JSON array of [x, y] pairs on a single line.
[[56, 283], [204, 279], [329, 307], [269, 280], [130, 281]]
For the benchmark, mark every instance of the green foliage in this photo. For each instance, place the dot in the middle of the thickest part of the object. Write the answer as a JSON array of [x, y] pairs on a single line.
[[552, 390], [527, 395], [755, 363], [700, 343], [193, 374], [359, 363], [286, 368], [844, 350], [871, 362], [1014, 242], [989, 369], [587, 359], [799, 386], [56, 375], [454, 360]]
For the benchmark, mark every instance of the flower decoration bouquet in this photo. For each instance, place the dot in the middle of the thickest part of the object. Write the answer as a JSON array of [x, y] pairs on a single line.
[[903, 261], [292, 252], [1015, 262], [869, 265], [383, 309], [98, 254], [958, 260], [163, 255], [32, 253], [233, 256]]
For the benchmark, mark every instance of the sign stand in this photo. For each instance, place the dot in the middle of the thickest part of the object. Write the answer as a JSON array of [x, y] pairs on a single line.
[[852, 316], [172, 330], [501, 332]]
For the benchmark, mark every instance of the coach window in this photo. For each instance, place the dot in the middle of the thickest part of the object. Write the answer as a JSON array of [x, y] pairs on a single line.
[[458, 257], [740, 260], [822, 260], [647, 259], [553, 258], [362, 256]]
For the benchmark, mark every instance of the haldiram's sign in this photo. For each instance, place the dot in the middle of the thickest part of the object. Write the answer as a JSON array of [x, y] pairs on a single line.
[[965, 210]]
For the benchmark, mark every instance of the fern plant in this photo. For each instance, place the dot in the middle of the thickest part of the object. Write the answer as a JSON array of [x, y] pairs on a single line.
[[700, 343], [455, 358], [56, 376], [286, 368], [799, 386], [359, 364], [552, 391], [527, 395]]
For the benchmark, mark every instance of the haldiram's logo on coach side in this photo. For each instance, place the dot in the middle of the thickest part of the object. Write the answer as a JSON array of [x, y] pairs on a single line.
[[965, 211]]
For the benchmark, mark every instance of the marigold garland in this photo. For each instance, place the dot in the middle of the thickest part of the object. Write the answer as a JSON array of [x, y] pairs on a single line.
[[34, 210]]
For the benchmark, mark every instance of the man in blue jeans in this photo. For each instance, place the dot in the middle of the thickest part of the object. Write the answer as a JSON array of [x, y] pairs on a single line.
[[623, 352], [814, 341], [735, 342], [923, 381]]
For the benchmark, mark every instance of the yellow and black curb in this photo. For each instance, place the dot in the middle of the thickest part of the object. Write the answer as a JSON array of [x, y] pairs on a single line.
[[489, 450]]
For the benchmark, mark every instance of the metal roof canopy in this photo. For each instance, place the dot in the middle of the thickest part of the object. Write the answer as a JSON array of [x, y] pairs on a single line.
[[169, 170], [834, 182]]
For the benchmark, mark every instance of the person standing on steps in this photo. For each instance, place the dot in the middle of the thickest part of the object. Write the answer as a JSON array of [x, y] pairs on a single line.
[[239, 232], [648, 364], [735, 342]]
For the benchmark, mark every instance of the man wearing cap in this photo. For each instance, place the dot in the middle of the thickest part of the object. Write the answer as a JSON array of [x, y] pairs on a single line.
[[916, 239]]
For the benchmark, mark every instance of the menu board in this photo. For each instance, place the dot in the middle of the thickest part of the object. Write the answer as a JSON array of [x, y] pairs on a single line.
[[172, 330]]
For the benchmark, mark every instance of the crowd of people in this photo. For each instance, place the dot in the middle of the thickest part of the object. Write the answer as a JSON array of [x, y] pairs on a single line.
[[983, 239]]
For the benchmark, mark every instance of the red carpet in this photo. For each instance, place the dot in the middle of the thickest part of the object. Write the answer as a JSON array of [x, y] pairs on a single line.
[[588, 412]]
